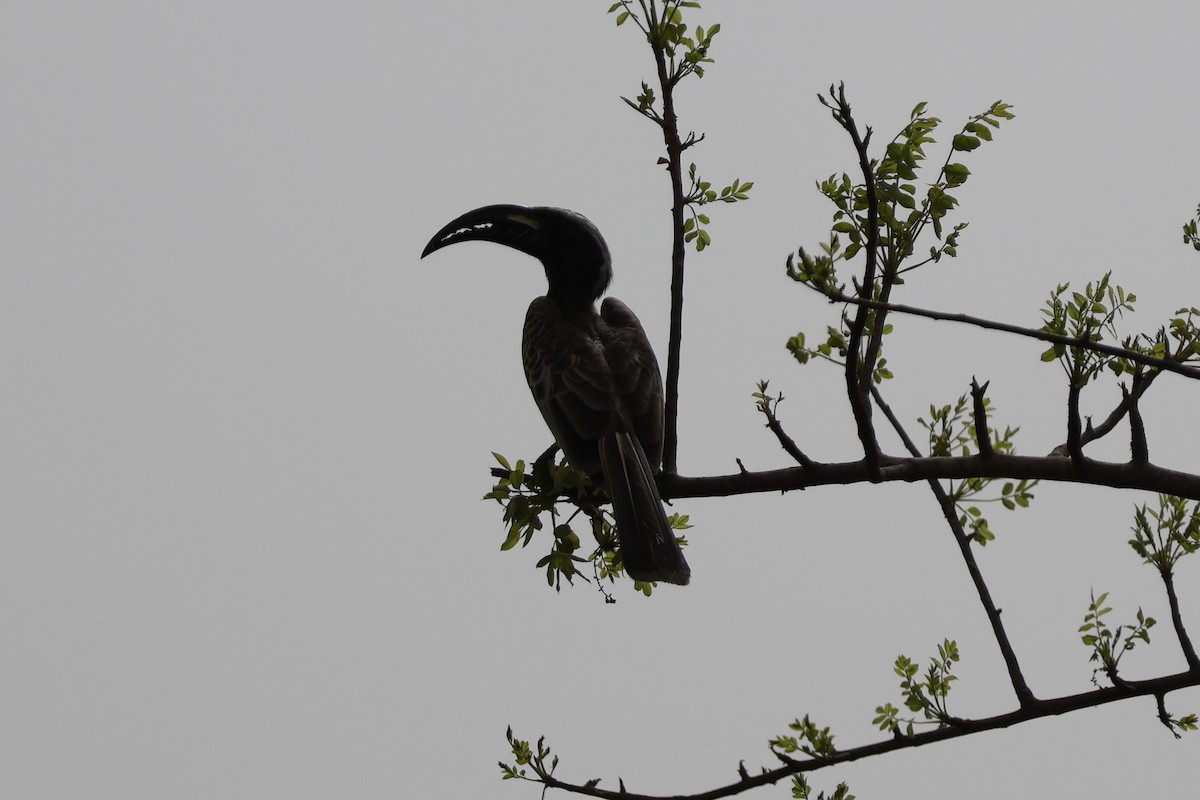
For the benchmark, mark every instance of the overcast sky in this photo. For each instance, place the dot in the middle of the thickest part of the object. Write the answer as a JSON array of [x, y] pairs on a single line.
[[244, 430]]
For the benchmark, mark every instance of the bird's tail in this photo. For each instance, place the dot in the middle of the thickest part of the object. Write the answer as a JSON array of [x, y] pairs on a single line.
[[648, 546]]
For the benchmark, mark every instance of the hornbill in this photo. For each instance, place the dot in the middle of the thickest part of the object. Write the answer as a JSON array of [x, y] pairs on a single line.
[[594, 376]]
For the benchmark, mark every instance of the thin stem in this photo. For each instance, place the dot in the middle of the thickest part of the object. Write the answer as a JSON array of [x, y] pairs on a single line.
[[670, 129], [1164, 364], [785, 441], [858, 364], [1141, 383]]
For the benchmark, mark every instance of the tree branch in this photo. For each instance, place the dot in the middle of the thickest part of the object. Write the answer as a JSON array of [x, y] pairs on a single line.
[[858, 363], [979, 408], [1037, 709], [786, 442], [1185, 642], [1139, 452], [1141, 382], [1074, 427], [1164, 364], [1126, 475]]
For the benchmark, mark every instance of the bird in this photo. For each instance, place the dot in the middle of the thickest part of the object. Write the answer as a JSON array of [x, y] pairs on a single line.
[[594, 376]]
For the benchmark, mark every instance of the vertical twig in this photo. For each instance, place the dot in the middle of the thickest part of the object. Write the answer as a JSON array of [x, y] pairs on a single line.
[[982, 440], [670, 129], [858, 364], [1074, 425], [1139, 451]]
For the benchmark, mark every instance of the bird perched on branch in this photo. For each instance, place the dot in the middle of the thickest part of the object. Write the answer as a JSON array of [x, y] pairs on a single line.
[[593, 375]]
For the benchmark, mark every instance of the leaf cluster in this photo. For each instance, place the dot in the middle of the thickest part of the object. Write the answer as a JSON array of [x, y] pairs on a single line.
[[767, 404], [1181, 330], [835, 342], [812, 741], [1190, 235], [903, 213], [926, 695], [663, 24], [904, 210], [1164, 535], [701, 193], [531, 500], [802, 791], [1110, 644], [551, 496], [526, 756], [1088, 316]]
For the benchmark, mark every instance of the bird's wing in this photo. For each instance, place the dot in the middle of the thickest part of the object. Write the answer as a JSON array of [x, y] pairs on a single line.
[[635, 374], [571, 382]]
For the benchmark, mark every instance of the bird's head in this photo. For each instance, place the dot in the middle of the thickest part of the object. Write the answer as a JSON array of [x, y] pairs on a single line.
[[576, 258]]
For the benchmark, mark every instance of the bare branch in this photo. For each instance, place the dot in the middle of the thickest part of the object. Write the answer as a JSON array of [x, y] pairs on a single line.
[[1141, 382], [1164, 364], [1185, 642], [982, 440], [1074, 426], [767, 405], [890, 468], [1138, 449]]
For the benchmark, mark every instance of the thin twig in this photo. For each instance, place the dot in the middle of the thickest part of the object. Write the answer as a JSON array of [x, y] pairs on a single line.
[[1140, 385], [858, 365], [786, 442], [670, 129], [1164, 364]]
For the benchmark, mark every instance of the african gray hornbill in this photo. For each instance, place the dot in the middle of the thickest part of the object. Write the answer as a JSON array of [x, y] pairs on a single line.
[[594, 376]]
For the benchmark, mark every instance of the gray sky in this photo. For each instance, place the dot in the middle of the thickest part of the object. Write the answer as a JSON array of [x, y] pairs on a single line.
[[245, 430]]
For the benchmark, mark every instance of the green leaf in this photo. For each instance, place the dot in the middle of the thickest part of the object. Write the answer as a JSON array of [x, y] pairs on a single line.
[[956, 174], [964, 142], [514, 536]]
